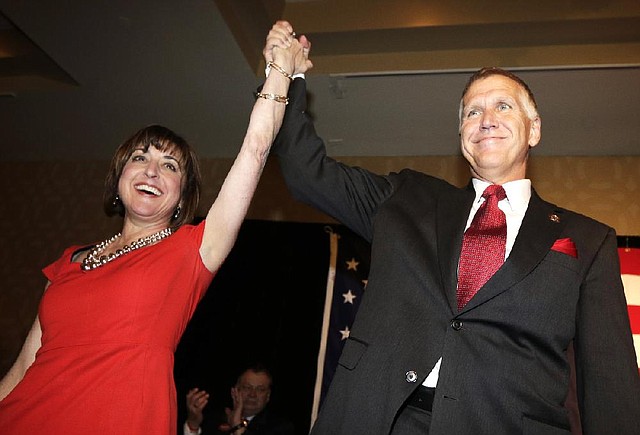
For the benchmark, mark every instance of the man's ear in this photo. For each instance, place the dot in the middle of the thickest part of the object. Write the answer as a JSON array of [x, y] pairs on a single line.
[[534, 132]]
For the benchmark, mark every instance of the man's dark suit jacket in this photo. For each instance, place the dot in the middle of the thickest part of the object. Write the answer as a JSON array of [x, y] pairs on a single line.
[[264, 423], [504, 364]]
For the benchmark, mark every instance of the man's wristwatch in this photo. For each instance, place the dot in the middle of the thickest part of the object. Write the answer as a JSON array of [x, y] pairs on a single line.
[[244, 423]]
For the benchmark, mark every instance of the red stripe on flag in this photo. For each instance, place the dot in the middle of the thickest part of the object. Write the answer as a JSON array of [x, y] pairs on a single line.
[[629, 261]]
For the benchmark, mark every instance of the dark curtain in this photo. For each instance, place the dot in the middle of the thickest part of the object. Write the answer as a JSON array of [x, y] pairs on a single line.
[[265, 304], [628, 241]]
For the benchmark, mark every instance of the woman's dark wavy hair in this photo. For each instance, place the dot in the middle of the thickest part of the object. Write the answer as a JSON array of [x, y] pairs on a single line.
[[163, 139]]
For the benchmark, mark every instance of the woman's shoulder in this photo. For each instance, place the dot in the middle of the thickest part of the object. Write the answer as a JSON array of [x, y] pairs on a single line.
[[194, 229]]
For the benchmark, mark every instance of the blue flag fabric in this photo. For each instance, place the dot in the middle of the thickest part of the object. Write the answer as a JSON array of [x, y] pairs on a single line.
[[346, 284]]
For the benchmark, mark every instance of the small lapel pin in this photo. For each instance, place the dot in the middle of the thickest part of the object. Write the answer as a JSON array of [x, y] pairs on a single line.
[[554, 218]]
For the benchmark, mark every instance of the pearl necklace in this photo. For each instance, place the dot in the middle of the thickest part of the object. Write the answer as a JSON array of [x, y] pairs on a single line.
[[94, 259]]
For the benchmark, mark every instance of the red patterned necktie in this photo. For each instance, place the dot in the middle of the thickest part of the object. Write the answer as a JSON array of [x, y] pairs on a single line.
[[483, 245]]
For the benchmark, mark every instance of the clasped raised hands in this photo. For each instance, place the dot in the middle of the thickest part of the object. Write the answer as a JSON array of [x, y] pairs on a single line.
[[286, 49]]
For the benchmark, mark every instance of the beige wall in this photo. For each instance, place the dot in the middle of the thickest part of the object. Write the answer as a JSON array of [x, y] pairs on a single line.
[[48, 206]]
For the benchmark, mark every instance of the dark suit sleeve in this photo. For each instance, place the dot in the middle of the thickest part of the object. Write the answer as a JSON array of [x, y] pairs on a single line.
[[270, 423], [348, 194], [608, 384]]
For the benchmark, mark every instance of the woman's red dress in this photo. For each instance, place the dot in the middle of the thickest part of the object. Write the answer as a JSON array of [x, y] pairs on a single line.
[[108, 342]]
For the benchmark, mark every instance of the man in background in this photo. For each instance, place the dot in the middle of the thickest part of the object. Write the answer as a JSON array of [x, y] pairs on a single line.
[[249, 414]]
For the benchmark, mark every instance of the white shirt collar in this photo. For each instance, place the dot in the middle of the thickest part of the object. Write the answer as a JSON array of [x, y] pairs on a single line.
[[518, 193]]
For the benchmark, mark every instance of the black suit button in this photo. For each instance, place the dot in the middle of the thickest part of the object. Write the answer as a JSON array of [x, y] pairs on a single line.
[[456, 324]]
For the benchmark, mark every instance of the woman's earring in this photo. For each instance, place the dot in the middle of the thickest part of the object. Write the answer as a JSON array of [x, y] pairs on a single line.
[[176, 213], [116, 200]]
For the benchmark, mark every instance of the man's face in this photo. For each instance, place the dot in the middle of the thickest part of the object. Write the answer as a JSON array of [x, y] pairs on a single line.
[[255, 389], [496, 131]]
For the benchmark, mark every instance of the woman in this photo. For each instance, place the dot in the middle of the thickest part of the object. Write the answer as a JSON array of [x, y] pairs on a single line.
[[99, 357]]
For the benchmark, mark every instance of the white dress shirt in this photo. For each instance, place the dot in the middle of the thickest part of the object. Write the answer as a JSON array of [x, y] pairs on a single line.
[[514, 207]]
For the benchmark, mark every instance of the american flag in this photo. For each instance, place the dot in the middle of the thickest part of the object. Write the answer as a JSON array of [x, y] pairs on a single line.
[[630, 271], [346, 283]]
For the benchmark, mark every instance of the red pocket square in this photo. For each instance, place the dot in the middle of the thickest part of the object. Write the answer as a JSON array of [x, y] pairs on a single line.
[[566, 246]]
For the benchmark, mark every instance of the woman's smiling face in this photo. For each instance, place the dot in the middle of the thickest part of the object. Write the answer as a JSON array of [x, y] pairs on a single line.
[[150, 184]]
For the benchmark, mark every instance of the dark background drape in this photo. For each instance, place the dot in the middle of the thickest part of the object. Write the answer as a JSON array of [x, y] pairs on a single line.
[[264, 304]]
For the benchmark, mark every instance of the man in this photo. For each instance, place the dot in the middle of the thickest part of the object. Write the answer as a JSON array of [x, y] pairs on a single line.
[[249, 415], [427, 353]]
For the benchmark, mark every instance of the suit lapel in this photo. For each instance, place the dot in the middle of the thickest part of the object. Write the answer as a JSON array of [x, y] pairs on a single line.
[[453, 211], [542, 224]]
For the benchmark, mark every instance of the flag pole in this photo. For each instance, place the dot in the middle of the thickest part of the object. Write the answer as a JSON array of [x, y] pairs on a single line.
[[331, 277]]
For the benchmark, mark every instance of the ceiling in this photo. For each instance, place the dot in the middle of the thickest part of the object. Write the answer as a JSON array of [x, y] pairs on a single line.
[[78, 77]]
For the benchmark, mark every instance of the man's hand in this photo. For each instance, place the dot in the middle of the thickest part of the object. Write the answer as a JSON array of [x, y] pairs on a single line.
[[282, 36], [196, 401], [234, 415]]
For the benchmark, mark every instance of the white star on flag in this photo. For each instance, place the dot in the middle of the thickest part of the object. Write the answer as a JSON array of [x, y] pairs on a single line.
[[352, 264], [348, 297]]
